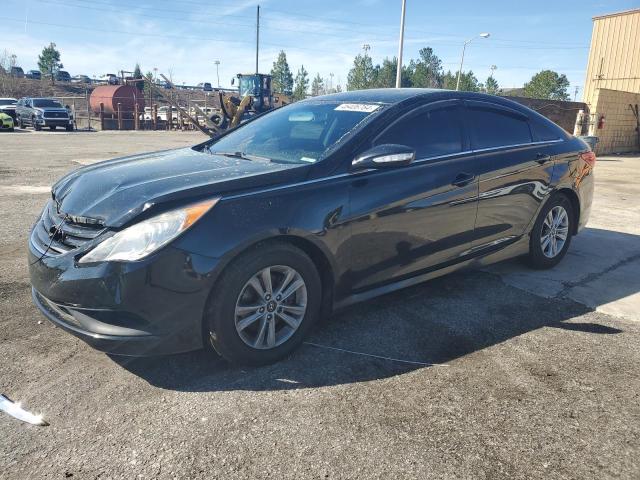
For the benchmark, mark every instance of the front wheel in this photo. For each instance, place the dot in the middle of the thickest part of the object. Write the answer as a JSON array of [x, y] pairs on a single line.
[[263, 305], [551, 234], [35, 124]]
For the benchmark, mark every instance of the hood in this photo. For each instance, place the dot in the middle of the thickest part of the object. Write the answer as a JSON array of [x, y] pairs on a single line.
[[116, 191], [51, 109]]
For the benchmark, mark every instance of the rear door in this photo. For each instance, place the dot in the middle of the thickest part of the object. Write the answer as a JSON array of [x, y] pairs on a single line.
[[414, 218], [515, 171]]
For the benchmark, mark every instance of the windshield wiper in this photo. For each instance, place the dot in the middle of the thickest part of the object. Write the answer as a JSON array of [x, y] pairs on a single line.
[[242, 155]]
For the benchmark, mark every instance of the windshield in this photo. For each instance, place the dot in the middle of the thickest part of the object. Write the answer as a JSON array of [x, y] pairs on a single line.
[[45, 102], [6, 101], [298, 133]]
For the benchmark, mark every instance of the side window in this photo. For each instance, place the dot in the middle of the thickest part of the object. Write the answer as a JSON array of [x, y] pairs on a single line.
[[495, 128], [431, 133], [544, 131]]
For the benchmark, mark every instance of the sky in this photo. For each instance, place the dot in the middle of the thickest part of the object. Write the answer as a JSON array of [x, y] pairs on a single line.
[[185, 37]]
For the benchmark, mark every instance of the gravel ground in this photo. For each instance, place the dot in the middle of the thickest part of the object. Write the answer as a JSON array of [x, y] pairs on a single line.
[[509, 382]]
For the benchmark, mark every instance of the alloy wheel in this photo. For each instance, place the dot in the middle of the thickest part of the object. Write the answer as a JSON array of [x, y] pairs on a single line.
[[271, 307], [555, 231]]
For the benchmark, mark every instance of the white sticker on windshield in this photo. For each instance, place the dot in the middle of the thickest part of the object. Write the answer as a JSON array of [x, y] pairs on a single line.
[[307, 159], [357, 107]]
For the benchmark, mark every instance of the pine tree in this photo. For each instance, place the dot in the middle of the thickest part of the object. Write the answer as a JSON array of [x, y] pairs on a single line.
[[301, 84], [49, 61], [282, 78], [137, 73], [317, 86], [491, 86], [362, 74]]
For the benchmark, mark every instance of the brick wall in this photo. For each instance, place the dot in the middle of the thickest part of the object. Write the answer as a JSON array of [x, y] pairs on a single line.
[[558, 111], [619, 133]]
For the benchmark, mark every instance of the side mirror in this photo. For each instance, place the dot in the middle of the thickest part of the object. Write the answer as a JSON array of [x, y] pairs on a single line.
[[385, 156], [233, 81]]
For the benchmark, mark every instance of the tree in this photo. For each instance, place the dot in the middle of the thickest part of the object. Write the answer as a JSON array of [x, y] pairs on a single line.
[[317, 86], [548, 85], [137, 73], [282, 78], [491, 86], [362, 74], [301, 84], [468, 81], [426, 72], [49, 61]]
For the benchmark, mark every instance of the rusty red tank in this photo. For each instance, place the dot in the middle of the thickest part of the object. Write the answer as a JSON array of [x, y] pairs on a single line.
[[111, 95]]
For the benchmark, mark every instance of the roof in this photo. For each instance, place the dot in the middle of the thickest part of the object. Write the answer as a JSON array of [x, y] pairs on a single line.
[[380, 95], [615, 14]]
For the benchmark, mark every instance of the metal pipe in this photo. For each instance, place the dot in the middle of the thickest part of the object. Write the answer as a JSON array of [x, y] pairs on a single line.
[[400, 46]]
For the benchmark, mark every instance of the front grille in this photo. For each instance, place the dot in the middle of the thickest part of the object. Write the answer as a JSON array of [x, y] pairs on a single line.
[[55, 115], [71, 234]]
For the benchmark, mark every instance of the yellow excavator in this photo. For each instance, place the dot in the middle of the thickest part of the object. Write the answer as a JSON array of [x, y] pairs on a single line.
[[254, 97]]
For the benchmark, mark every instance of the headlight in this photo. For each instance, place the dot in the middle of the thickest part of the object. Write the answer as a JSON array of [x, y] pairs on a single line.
[[38, 114], [146, 237]]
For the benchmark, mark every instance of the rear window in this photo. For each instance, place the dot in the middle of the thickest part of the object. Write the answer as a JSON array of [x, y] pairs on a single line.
[[544, 131], [496, 128]]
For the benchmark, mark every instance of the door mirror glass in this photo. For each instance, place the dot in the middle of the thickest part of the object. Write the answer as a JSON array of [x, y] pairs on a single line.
[[385, 156]]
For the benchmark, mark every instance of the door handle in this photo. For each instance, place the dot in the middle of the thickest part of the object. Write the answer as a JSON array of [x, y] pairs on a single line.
[[543, 158], [463, 179]]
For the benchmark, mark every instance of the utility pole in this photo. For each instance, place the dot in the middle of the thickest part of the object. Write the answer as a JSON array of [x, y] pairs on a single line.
[[400, 45], [575, 93], [257, 36]]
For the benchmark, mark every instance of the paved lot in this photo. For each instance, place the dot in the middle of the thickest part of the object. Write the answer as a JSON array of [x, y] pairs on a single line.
[[534, 375]]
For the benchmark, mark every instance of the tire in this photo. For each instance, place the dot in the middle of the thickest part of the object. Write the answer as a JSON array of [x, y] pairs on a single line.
[[52, 128], [35, 124], [542, 254], [11, 129], [69, 128], [20, 123], [223, 321]]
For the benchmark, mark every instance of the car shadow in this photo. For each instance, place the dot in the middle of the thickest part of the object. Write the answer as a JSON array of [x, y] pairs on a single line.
[[425, 326]]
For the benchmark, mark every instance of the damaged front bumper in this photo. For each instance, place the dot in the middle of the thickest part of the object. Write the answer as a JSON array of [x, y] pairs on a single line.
[[149, 307]]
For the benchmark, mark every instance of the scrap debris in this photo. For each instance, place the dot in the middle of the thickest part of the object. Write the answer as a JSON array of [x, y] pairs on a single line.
[[15, 410]]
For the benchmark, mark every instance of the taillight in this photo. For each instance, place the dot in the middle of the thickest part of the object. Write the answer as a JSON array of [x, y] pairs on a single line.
[[589, 157]]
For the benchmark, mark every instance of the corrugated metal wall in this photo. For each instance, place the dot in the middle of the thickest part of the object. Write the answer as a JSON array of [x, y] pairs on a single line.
[[614, 57]]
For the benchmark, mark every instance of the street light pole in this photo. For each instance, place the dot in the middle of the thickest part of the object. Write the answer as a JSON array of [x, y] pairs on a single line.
[[400, 45], [217, 62], [464, 48]]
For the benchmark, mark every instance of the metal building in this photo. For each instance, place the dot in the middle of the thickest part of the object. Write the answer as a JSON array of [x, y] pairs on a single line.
[[612, 84]]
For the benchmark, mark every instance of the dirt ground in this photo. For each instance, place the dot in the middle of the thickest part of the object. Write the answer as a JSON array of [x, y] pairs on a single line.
[[518, 373]]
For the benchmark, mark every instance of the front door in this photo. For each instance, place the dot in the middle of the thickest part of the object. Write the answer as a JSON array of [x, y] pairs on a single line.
[[414, 218]]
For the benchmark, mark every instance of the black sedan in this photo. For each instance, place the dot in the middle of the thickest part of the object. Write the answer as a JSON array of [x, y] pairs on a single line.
[[241, 243]]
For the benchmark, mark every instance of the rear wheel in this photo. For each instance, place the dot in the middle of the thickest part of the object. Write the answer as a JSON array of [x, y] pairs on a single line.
[[551, 234], [263, 305], [52, 127]]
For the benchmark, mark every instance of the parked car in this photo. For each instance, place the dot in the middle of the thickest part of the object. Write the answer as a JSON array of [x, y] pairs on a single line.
[[63, 76], [81, 79], [34, 74], [43, 112], [241, 243], [17, 72], [6, 122], [206, 87], [8, 106]]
